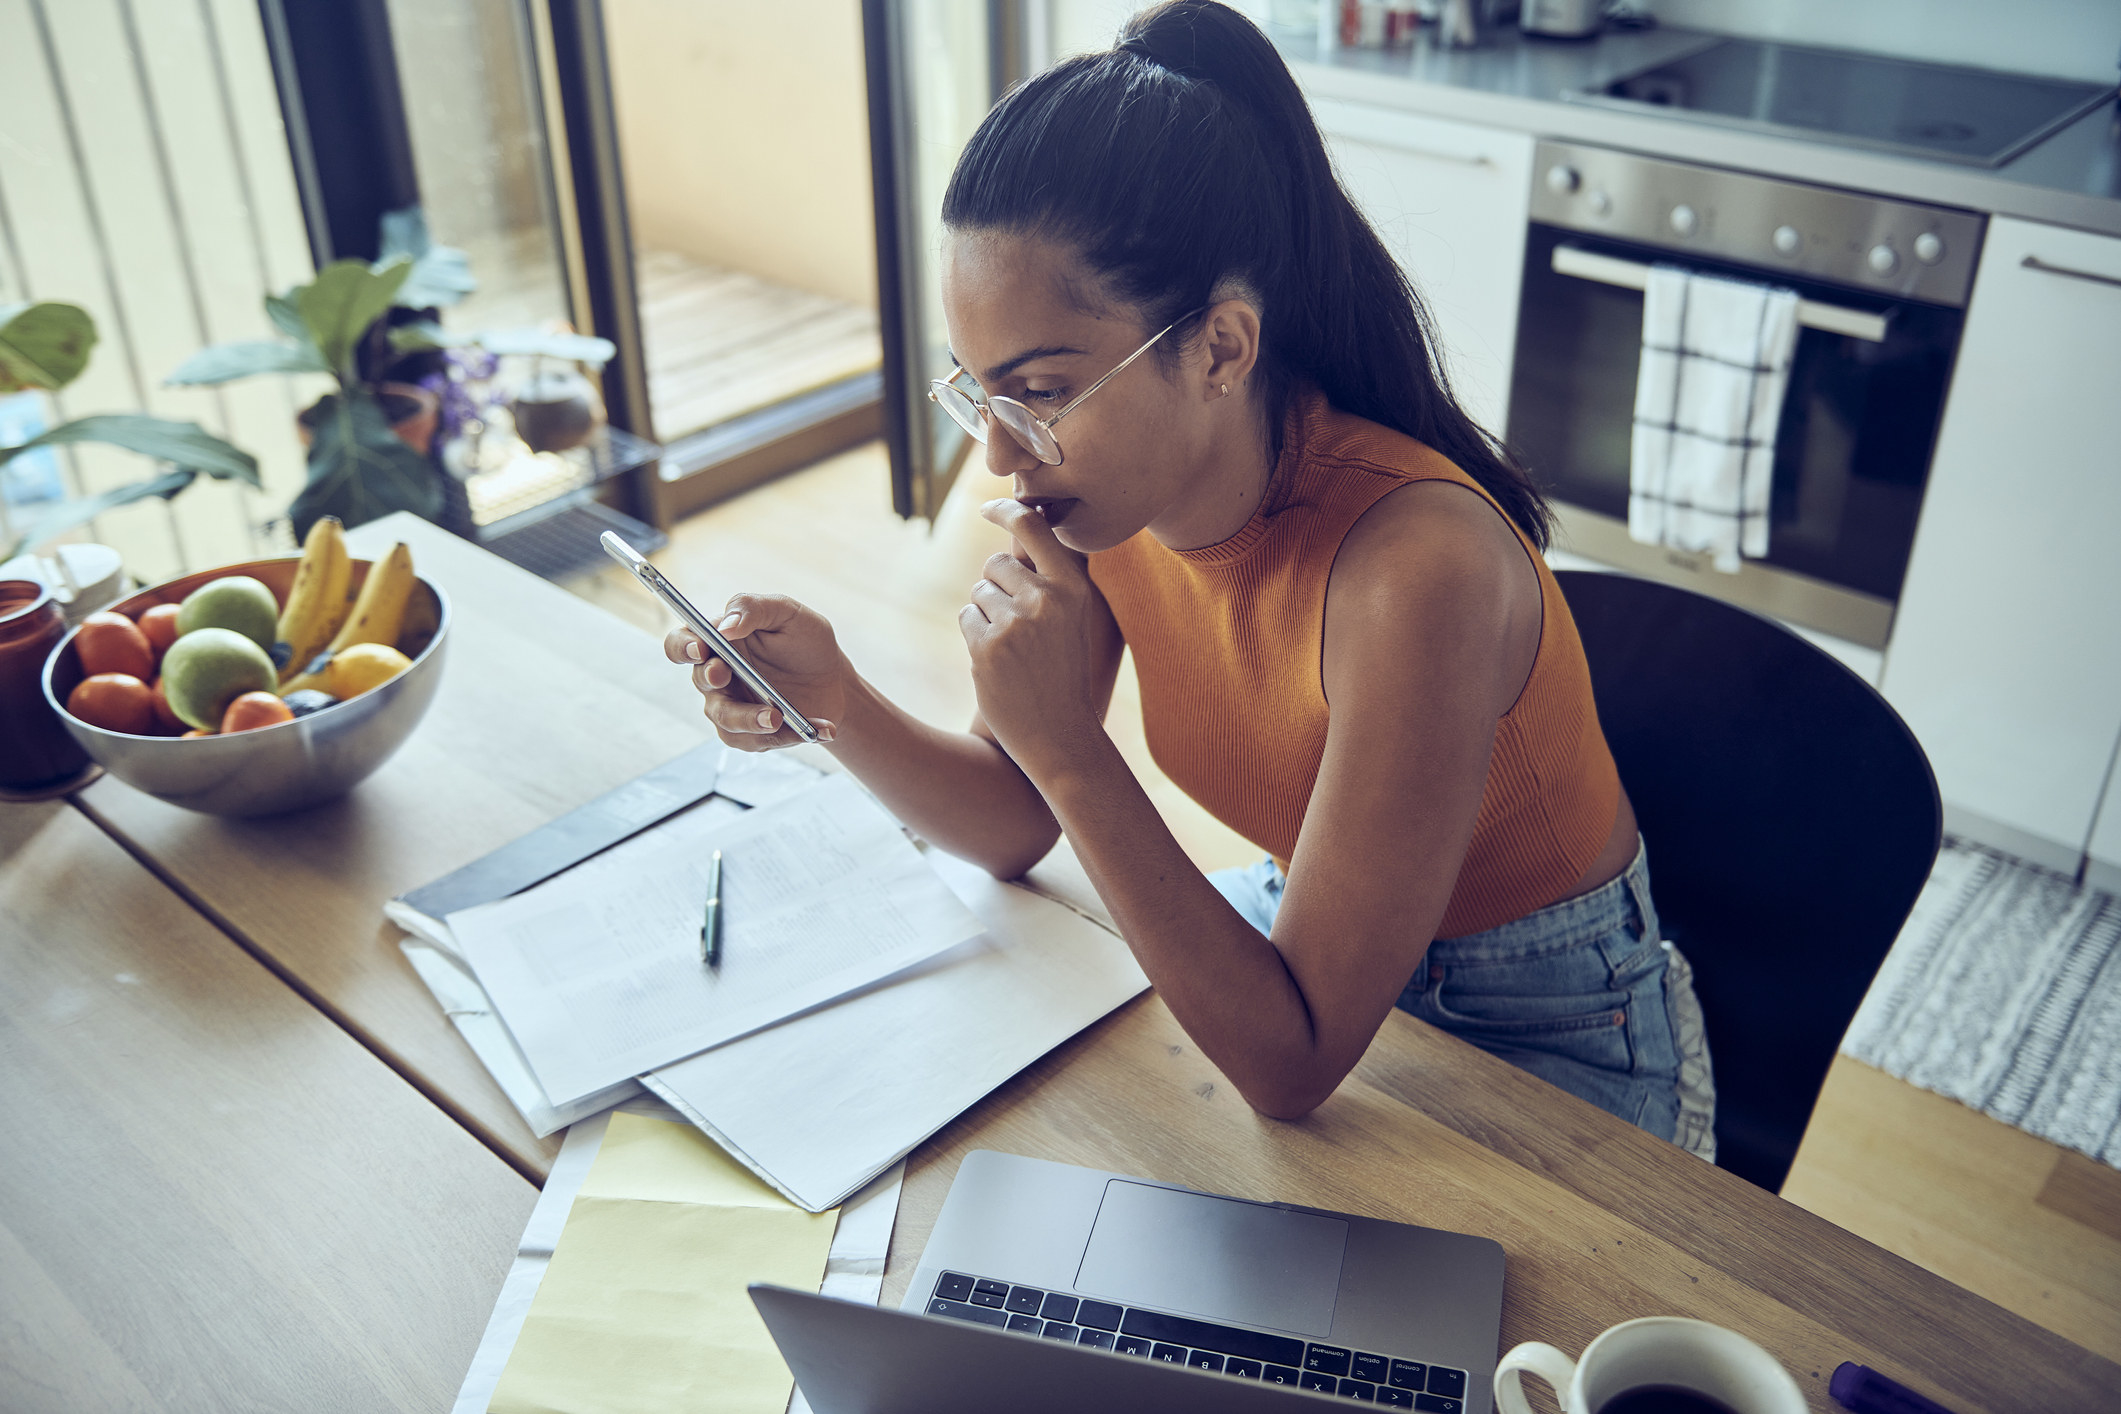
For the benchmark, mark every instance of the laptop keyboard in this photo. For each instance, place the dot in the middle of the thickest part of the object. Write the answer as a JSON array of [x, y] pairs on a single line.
[[1203, 1345]]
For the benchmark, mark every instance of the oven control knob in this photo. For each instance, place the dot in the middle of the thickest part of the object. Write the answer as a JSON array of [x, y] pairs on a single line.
[[1684, 221], [1562, 179], [1788, 239], [1601, 204], [1929, 247], [1883, 259]]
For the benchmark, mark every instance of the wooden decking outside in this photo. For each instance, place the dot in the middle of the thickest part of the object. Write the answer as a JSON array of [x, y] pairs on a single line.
[[722, 343]]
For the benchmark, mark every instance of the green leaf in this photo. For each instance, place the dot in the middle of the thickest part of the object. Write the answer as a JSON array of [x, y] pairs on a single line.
[[425, 335], [66, 515], [441, 275], [44, 346], [224, 362], [190, 447], [285, 317], [359, 470], [574, 348], [340, 304]]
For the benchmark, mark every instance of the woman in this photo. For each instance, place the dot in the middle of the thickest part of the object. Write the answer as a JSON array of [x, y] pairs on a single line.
[[1274, 502]]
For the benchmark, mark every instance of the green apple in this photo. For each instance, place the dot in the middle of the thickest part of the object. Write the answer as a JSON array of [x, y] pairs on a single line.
[[209, 668], [234, 601]]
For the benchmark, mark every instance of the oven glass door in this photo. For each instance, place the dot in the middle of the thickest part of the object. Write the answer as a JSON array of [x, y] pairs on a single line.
[[1858, 424]]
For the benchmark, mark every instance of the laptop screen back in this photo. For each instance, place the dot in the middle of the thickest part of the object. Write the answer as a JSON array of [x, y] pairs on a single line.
[[1218, 1258]]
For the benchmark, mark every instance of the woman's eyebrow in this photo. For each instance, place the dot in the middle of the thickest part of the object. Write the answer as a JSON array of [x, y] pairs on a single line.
[[1009, 366]]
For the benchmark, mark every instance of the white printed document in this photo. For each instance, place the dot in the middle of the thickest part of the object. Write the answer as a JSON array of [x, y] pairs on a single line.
[[597, 972]]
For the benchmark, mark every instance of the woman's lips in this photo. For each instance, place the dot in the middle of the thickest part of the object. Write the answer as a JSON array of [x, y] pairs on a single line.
[[1054, 508]]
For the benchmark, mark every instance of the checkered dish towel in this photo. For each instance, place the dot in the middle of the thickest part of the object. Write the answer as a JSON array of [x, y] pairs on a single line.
[[1715, 363]]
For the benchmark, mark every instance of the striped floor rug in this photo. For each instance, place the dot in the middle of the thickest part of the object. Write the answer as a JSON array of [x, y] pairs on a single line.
[[2004, 993]]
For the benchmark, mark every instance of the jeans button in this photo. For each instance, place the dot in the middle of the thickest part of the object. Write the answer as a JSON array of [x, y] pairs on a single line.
[[1436, 972], [1620, 1018]]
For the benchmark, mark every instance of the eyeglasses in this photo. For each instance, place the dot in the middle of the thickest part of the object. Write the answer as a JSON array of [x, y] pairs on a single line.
[[1032, 432]]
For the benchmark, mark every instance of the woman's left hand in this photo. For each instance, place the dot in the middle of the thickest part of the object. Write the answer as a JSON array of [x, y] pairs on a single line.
[[1034, 627]]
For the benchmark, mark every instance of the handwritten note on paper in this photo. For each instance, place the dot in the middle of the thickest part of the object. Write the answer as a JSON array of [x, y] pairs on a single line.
[[643, 1308], [597, 972]]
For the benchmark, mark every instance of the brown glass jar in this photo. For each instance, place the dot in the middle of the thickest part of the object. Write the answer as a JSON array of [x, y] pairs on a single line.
[[35, 747]]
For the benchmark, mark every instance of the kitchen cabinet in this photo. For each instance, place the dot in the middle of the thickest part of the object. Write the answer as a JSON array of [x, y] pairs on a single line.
[[2005, 656], [1450, 202]]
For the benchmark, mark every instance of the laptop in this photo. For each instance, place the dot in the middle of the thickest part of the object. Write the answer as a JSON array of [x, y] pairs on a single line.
[[1050, 1287]]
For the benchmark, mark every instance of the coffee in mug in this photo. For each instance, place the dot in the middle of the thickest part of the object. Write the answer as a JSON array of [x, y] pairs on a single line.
[[1658, 1365]]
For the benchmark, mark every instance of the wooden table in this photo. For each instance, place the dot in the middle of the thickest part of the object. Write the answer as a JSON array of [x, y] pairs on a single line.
[[546, 703], [210, 1196]]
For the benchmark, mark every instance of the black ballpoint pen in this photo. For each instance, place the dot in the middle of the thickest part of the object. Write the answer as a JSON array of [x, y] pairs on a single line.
[[711, 924]]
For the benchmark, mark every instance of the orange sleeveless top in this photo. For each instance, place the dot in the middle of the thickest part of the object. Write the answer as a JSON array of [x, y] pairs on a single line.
[[1228, 645]]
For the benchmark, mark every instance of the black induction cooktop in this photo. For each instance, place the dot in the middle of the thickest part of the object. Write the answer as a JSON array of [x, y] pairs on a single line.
[[1976, 116]]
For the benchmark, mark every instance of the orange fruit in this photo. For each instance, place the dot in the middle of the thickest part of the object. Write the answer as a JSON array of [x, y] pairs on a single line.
[[160, 626], [165, 715], [116, 702], [113, 643], [196, 732], [253, 710]]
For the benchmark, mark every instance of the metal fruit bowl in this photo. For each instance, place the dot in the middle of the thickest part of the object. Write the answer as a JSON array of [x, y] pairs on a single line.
[[288, 765]]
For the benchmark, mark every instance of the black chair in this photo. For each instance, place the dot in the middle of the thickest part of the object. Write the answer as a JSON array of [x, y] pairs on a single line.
[[1790, 818]]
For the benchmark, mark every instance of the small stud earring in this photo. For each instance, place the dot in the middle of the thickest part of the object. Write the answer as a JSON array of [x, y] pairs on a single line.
[[1226, 390]]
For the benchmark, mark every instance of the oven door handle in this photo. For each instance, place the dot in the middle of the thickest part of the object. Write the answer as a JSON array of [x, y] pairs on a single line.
[[1634, 275]]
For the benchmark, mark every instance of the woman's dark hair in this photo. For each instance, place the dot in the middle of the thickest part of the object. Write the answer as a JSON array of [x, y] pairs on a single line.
[[1185, 159]]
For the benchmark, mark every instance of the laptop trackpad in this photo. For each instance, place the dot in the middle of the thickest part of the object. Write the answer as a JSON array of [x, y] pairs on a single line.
[[1226, 1260]]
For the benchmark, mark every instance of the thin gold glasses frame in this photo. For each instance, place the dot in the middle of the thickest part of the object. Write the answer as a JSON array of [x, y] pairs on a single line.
[[939, 386]]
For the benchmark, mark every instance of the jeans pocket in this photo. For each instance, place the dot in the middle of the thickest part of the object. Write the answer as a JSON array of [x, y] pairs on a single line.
[[1589, 1028]]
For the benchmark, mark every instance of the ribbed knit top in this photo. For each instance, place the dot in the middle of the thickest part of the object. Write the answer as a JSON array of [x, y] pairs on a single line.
[[1228, 645]]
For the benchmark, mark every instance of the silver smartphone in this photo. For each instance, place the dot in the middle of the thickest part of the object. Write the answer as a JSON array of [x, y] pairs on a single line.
[[652, 578]]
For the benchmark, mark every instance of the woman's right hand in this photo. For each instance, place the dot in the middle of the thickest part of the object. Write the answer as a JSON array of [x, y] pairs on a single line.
[[792, 647]]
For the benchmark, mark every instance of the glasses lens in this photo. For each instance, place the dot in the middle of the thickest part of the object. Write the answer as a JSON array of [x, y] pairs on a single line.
[[963, 411], [1023, 425]]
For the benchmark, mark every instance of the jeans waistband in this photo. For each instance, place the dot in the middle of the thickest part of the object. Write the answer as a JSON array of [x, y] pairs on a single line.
[[1620, 902]]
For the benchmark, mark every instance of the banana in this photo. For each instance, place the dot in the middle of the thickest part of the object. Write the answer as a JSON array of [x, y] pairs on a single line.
[[321, 598], [377, 617]]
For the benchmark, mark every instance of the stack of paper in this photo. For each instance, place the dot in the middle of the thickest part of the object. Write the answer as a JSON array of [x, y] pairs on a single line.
[[818, 1101]]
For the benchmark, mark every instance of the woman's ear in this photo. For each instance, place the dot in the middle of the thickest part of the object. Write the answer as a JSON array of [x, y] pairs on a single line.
[[1229, 340]]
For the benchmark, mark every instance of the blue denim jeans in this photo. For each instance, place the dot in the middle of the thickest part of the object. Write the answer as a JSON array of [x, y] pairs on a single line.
[[1583, 994]]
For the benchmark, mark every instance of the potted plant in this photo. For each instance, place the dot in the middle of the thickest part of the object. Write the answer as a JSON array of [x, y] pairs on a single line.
[[45, 346]]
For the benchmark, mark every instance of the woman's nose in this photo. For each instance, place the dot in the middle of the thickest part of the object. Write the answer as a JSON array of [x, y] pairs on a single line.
[[1005, 455]]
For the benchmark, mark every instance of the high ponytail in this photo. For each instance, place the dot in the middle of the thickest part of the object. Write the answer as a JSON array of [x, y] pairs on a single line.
[[1184, 162]]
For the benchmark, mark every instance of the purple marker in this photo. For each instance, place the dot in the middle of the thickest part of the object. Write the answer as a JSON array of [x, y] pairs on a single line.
[[1865, 1391]]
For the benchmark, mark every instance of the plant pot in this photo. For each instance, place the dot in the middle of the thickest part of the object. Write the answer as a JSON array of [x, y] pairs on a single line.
[[556, 411], [413, 412]]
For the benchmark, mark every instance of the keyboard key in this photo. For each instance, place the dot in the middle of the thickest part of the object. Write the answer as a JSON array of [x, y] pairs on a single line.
[[1169, 1354], [1358, 1389], [1025, 1300], [1281, 1374], [1061, 1330], [1444, 1380], [992, 1288], [1312, 1379], [1439, 1404], [1243, 1369], [1060, 1308], [1370, 1367], [1326, 1359], [1206, 1335], [1131, 1345], [1397, 1398], [1096, 1340], [1409, 1374], [959, 1311], [988, 1298], [1205, 1360], [1030, 1325], [1101, 1314], [952, 1287]]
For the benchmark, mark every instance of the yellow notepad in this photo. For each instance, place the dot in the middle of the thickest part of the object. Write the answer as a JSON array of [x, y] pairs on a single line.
[[643, 1306]]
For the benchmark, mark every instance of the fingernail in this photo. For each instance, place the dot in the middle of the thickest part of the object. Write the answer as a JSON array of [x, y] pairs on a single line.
[[728, 622], [766, 718], [827, 734], [692, 651]]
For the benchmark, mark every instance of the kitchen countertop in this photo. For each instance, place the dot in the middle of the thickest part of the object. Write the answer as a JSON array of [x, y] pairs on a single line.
[[1515, 81]]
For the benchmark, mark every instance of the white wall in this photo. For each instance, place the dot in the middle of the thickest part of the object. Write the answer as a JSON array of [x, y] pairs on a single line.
[[2071, 38]]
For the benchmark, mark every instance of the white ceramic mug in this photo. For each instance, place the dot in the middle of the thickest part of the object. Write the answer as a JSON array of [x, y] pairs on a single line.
[[1658, 1350]]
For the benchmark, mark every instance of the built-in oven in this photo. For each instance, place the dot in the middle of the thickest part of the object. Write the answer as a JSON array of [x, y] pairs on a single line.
[[1882, 286]]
